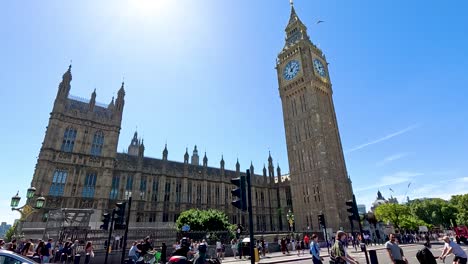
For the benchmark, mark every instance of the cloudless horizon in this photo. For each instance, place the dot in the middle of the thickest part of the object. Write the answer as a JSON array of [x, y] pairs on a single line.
[[203, 73]]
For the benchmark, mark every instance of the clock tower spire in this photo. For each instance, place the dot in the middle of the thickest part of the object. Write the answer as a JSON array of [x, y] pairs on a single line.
[[295, 30], [316, 163]]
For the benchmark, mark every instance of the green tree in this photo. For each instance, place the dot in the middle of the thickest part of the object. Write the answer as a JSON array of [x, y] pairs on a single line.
[[434, 211], [393, 213], [412, 223], [204, 220], [460, 202], [10, 232]]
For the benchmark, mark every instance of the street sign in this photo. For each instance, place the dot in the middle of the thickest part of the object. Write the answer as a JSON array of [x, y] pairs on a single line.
[[185, 228]]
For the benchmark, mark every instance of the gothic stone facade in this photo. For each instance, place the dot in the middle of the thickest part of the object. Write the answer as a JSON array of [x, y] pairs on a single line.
[[79, 167], [319, 181]]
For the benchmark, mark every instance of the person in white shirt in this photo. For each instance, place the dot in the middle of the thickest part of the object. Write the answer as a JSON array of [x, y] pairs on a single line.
[[452, 247], [219, 249]]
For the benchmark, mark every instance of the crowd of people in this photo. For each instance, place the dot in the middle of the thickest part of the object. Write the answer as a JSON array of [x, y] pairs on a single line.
[[143, 251], [42, 251]]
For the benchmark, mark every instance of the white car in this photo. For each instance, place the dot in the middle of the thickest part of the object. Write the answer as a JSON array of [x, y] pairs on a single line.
[[8, 257]]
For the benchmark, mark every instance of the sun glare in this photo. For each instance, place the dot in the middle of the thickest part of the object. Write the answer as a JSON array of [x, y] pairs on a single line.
[[150, 8]]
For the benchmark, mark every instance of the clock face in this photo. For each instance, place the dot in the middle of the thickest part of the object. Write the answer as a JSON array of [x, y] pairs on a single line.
[[291, 70], [319, 68]]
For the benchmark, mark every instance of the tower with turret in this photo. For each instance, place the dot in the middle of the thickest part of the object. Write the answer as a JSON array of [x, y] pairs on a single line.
[[77, 155], [319, 181]]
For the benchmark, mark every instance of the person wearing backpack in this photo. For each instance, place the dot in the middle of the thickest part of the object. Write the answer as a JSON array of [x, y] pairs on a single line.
[[425, 255], [338, 254], [202, 252]]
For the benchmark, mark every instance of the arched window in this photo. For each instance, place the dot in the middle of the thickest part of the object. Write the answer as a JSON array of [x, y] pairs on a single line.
[[114, 193], [68, 140], [58, 183], [89, 185], [98, 142]]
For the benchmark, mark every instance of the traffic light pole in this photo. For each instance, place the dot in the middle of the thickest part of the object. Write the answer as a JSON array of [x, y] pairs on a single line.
[[127, 222], [110, 235], [324, 226], [351, 223], [360, 230], [251, 233]]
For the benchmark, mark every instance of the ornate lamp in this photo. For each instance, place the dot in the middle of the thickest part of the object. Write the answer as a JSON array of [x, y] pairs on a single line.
[[15, 200], [290, 217], [40, 202], [30, 193]]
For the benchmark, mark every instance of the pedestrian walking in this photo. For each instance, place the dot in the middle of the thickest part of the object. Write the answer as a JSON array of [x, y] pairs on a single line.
[[89, 252], [202, 252], [425, 256], [239, 248], [46, 252], [306, 241], [338, 253], [133, 252], [303, 246], [451, 247], [234, 247], [12, 246], [163, 253], [284, 247], [219, 249], [315, 250], [40, 251], [263, 244], [298, 248], [223, 251], [395, 252]]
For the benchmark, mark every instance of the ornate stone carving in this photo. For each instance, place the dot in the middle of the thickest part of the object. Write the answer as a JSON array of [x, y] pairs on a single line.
[[86, 203], [54, 202]]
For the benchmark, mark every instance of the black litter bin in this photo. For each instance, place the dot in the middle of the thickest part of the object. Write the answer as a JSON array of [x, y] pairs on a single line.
[[373, 257]]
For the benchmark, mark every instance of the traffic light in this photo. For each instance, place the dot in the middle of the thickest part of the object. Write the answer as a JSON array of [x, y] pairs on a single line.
[[352, 210], [321, 219], [239, 193], [105, 221], [120, 215]]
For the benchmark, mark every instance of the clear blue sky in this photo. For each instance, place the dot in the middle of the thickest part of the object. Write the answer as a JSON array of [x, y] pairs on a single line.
[[202, 72]]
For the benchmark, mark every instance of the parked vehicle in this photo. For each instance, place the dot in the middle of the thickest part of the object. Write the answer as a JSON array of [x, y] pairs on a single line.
[[9, 257]]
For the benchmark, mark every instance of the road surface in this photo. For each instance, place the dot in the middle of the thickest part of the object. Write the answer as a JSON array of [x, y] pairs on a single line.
[[382, 255]]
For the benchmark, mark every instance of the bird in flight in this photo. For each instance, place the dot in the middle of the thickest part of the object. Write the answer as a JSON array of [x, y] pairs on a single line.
[[320, 21]]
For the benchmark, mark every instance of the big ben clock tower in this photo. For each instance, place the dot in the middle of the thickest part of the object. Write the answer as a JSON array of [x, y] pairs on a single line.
[[319, 181]]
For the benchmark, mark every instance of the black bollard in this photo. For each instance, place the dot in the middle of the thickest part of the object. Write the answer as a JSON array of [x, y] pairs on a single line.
[[77, 259], [87, 258], [373, 257], [57, 257]]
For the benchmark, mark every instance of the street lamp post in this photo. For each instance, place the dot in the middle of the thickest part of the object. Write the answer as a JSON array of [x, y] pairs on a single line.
[[290, 217], [30, 207]]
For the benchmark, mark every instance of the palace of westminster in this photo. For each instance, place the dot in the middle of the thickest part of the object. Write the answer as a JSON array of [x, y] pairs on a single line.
[[79, 166]]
